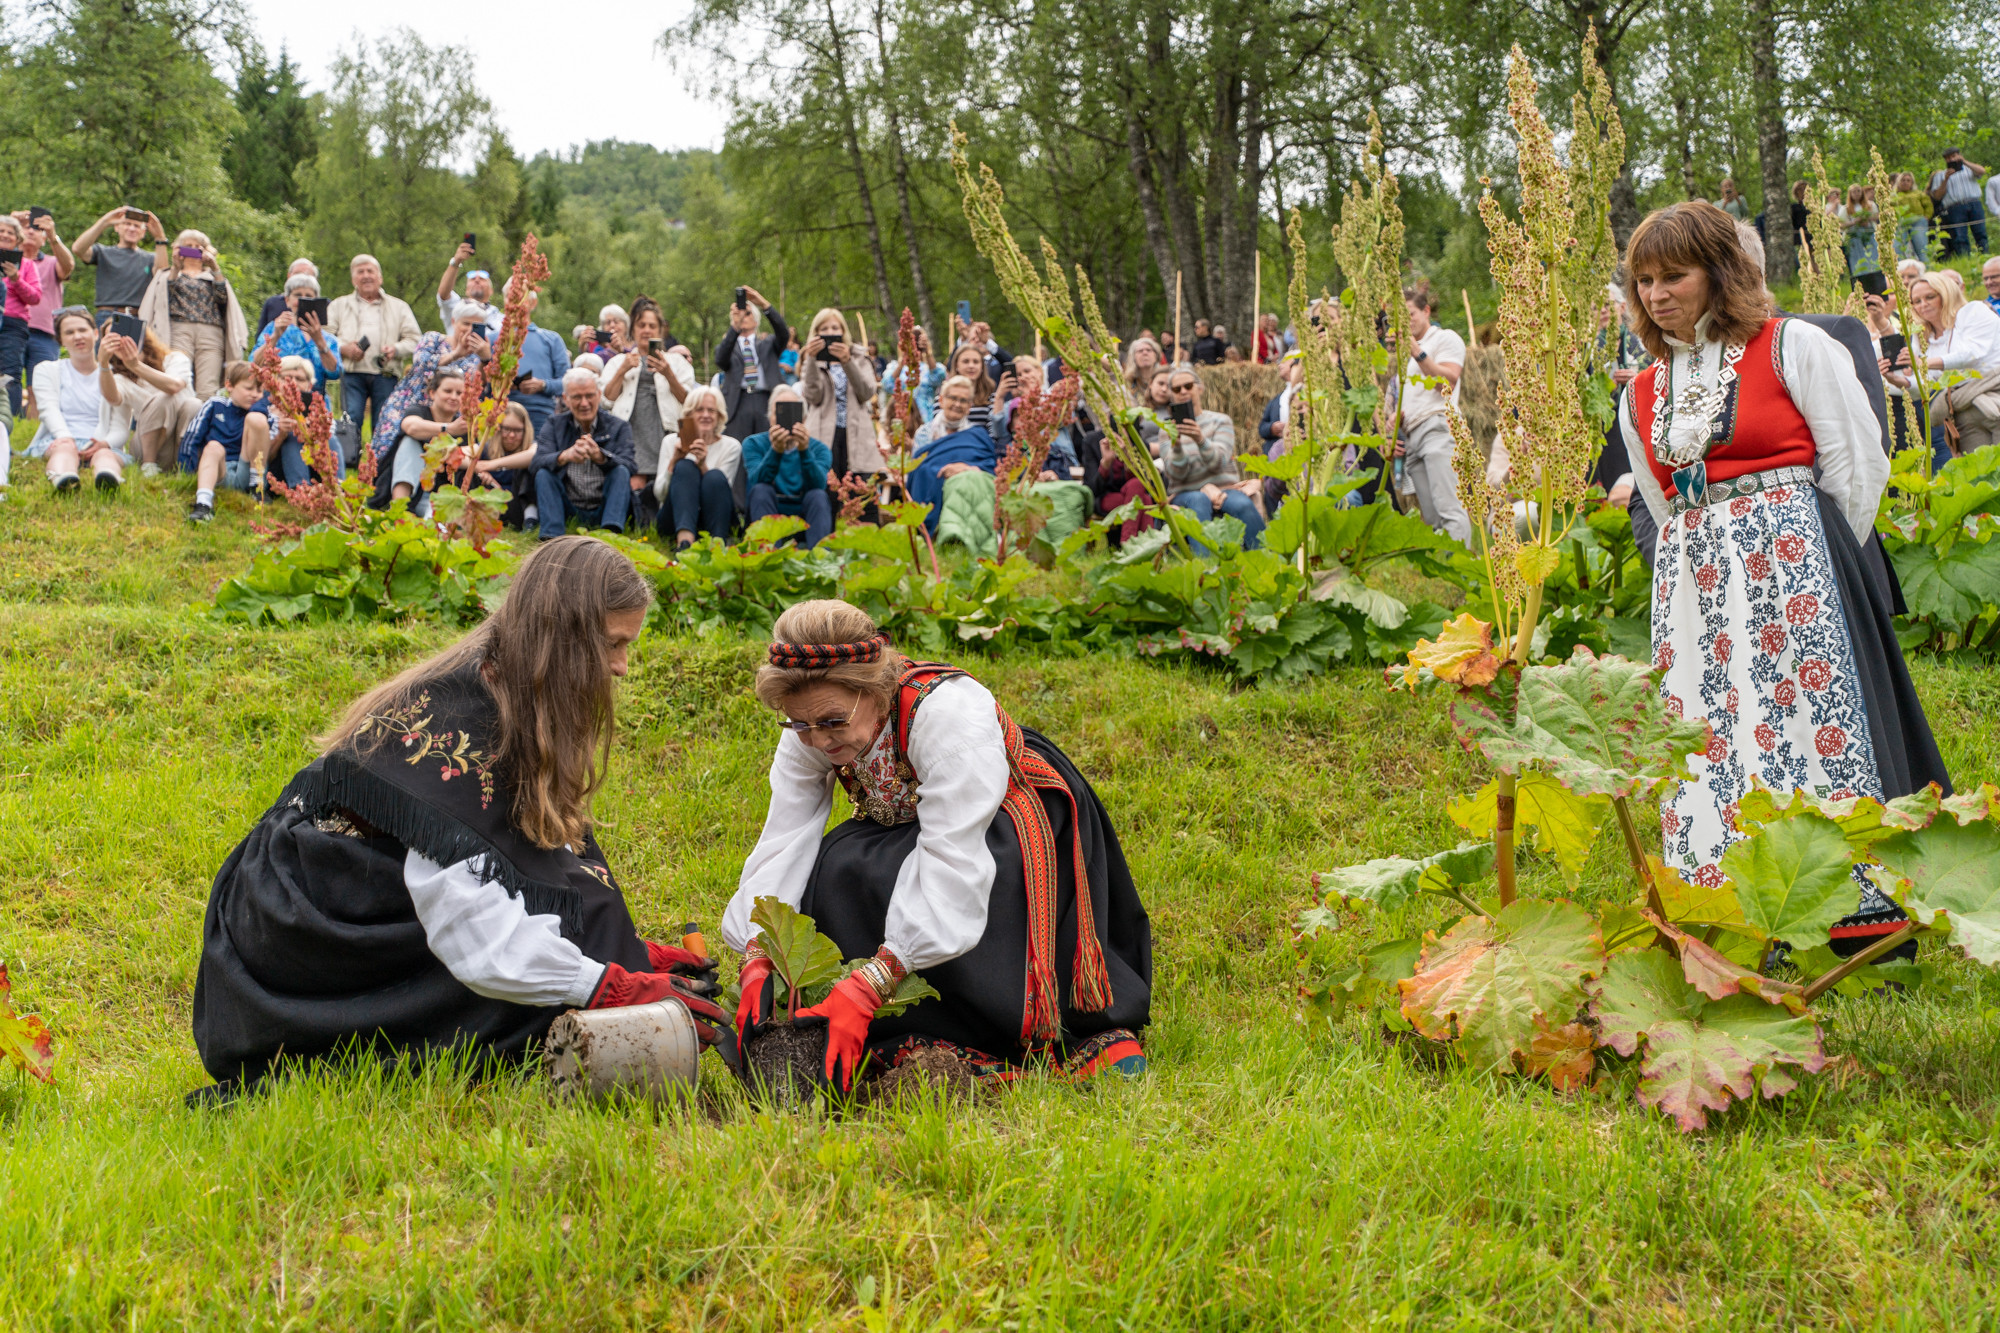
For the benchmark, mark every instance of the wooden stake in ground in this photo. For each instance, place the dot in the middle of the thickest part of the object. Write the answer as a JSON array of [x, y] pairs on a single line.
[[862, 320], [1177, 317], [1257, 307], [1471, 330]]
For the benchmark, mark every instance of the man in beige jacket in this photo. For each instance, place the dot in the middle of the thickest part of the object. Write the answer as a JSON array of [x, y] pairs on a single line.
[[374, 329]]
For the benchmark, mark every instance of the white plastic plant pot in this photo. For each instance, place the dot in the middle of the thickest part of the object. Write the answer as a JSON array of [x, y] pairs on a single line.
[[641, 1051]]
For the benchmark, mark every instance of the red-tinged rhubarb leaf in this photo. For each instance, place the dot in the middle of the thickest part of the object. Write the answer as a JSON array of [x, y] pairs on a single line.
[[1487, 981], [1953, 869], [1565, 1054], [1716, 976], [1983, 802], [1794, 879], [1461, 655], [1700, 1055], [26, 1041], [1863, 820], [1597, 724]]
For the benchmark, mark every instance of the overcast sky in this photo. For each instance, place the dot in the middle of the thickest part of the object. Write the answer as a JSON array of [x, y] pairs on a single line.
[[555, 77]]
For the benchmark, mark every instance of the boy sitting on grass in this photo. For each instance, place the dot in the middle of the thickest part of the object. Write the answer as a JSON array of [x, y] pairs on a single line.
[[228, 442]]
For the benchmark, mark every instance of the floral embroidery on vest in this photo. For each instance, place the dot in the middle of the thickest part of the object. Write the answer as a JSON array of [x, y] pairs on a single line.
[[410, 726], [881, 782]]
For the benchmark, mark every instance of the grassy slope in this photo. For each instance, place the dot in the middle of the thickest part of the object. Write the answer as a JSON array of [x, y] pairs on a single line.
[[1261, 1176]]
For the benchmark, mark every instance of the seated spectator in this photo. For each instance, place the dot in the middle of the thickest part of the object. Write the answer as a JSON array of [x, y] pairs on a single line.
[[1964, 336], [124, 270], [1208, 343], [293, 467], [276, 305], [302, 336], [24, 289], [1142, 358], [837, 384], [441, 413], [77, 425], [1063, 463], [221, 448], [701, 474], [539, 368], [193, 309], [785, 471], [502, 473], [1198, 462], [478, 290], [459, 350], [969, 363], [1232, 355], [375, 330], [1274, 431], [583, 462], [788, 360], [749, 367], [955, 458], [980, 334], [651, 400], [151, 386]]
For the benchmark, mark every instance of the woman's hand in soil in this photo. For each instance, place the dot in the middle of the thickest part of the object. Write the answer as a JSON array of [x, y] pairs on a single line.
[[753, 1010], [847, 1013], [698, 973]]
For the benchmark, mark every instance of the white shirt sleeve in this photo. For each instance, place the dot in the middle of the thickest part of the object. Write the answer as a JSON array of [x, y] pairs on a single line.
[[1974, 340], [1640, 454], [486, 938], [782, 861], [938, 909], [1849, 467]]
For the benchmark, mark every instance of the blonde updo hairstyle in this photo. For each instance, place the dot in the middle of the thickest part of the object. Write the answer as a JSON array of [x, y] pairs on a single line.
[[829, 621]]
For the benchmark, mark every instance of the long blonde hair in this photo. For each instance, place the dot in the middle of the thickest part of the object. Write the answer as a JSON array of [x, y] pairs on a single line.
[[828, 621], [545, 659], [1950, 289]]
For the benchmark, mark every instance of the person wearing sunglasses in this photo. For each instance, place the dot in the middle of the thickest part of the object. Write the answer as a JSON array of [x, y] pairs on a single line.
[[977, 856]]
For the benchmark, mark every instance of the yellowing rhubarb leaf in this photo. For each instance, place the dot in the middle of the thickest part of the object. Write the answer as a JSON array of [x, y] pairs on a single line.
[[1484, 984], [1863, 820], [24, 1039], [1461, 655], [1565, 1054], [1536, 563], [1565, 825]]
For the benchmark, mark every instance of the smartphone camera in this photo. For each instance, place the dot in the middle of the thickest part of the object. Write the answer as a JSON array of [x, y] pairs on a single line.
[[742, 298], [656, 346]]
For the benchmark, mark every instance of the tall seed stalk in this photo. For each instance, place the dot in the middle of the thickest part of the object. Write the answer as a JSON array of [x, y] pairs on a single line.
[[1914, 333], [1823, 285], [1550, 267]]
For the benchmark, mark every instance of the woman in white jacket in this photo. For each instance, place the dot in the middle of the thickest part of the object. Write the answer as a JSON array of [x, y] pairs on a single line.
[[701, 474], [650, 404], [78, 426], [1964, 335]]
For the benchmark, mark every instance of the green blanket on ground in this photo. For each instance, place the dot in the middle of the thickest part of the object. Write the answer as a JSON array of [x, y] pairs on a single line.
[[966, 516]]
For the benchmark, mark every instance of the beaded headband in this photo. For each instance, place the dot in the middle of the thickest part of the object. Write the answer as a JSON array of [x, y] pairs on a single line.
[[812, 656]]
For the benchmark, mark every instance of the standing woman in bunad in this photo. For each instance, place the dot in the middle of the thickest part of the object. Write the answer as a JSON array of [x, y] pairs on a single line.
[[1756, 449], [431, 880], [977, 856]]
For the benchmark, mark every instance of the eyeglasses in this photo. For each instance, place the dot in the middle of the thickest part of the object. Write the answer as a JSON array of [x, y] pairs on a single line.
[[826, 724]]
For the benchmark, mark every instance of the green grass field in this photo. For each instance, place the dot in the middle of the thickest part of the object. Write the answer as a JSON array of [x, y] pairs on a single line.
[[1261, 1176]]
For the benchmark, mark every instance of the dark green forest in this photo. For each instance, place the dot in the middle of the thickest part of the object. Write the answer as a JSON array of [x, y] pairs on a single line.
[[1145, 140]]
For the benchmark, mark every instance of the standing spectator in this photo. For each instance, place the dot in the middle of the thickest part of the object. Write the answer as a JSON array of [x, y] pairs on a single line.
[[648, 390], [1960, 213], [478, 289], [153, 386], [701, 474], [1858, 215], [788, 360], [749, 365], [1800, 216], [374, 330], [77, 426], [837, 383], [785, 471], [459, 350], [42, 249], [124, 270], [540, 367], [1198, 462], [1270, 346], [922, 379], [1208, 344], [583, 462], [24, 290], [274, 305], [1733, 203], [1914, 207], [193, 309], [301, 335], [1989, 274], [1426, 448]]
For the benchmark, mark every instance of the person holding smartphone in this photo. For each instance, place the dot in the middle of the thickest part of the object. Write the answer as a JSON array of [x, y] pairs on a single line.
[[151, 384], [42, 249], [299, 330], [376, 332], [749, 363], [785, 468], [24, 289], [124, 270], [478, 290], [1198, 460], [837, 380], [194, 310], [1430, 386]]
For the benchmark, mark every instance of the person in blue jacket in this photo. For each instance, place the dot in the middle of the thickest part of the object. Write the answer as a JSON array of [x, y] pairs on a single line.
[[785, 469]]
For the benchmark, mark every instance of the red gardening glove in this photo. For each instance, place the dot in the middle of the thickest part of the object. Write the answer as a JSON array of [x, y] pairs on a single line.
[[757, 998], [619, 989], [846, 1013], [699, 972]]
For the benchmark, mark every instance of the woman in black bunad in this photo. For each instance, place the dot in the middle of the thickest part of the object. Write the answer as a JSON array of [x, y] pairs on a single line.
[[977, 856], [1756, 449], [431, 880]]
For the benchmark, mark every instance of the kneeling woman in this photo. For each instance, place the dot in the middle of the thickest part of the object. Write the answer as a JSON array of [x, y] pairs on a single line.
[[430, 880], [977, 856]]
